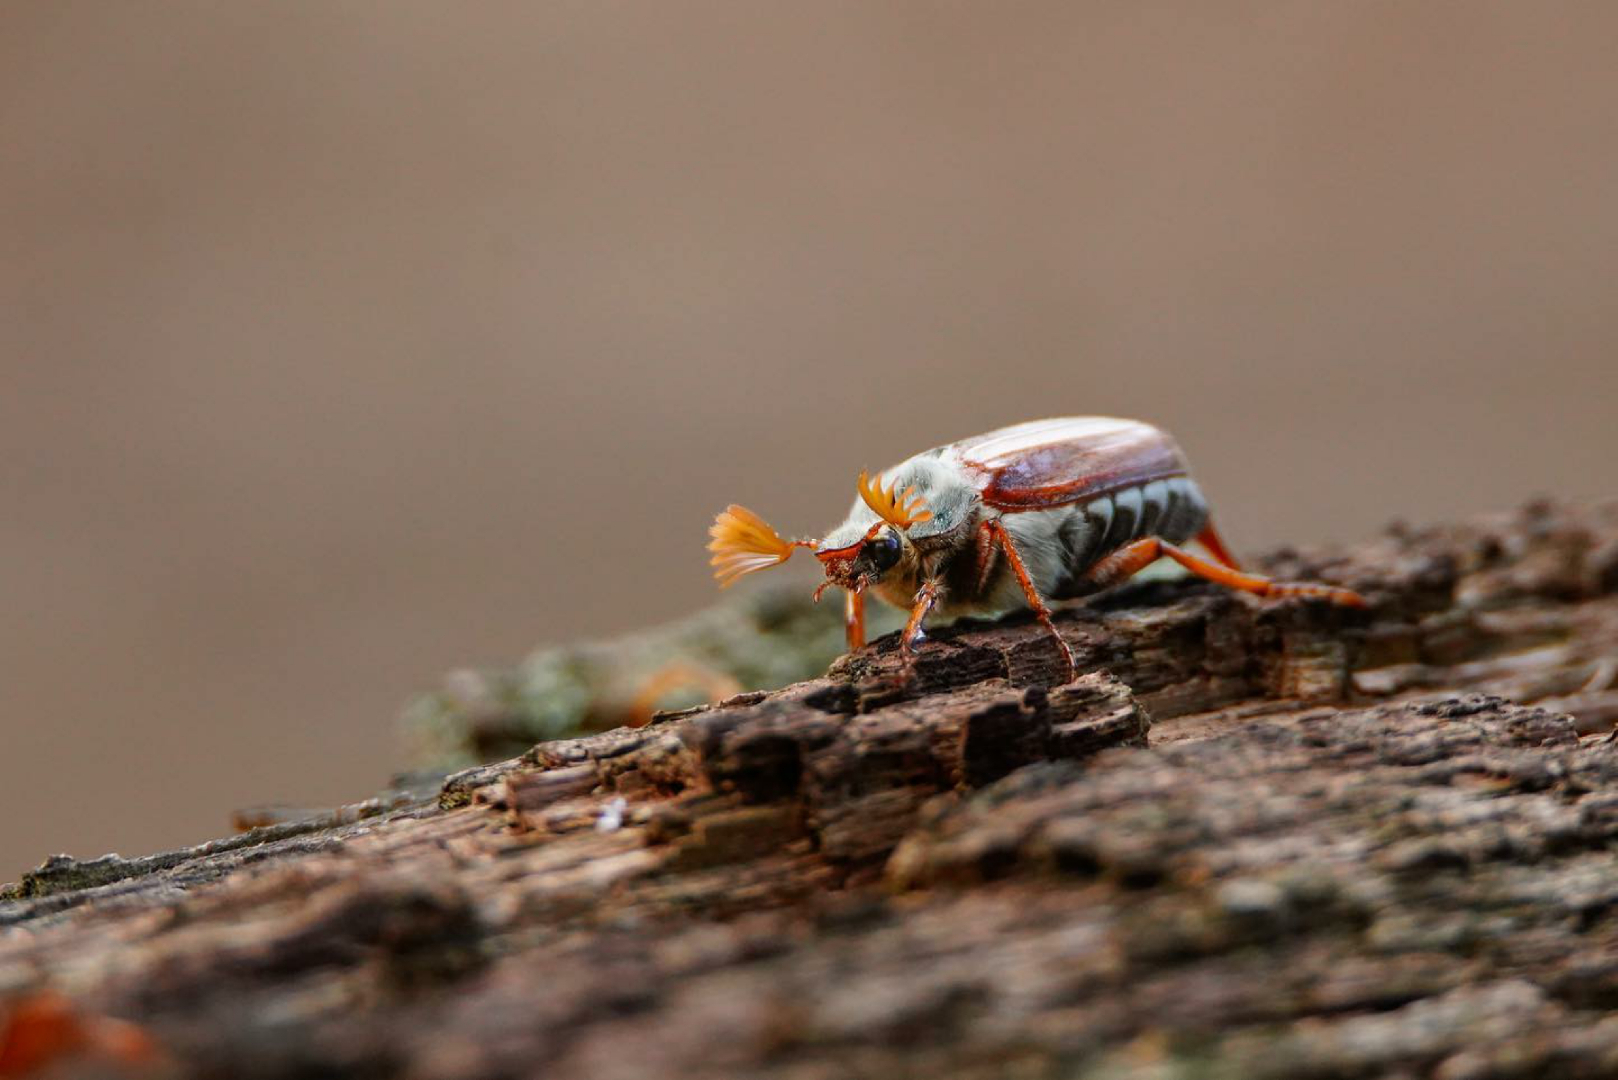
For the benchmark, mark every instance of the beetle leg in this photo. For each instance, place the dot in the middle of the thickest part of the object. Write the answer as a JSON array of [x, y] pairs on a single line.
[[1131, 558], [1210, 539], [678, 675], [1042, 611], [986, 552], [854, 618], [926, 597]]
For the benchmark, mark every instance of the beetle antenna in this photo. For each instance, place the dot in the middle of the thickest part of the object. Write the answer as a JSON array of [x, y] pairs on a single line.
[[742, 543], [899, 509]]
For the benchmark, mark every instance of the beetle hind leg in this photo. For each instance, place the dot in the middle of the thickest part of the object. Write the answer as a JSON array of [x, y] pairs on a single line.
[[1209, 538], [1132, 558]]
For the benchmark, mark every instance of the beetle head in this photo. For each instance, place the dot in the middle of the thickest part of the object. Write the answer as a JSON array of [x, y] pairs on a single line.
[[856, 565], [854, 556]]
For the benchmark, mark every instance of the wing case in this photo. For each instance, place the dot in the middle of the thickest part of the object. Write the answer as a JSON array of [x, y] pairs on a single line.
[[1048, 463]]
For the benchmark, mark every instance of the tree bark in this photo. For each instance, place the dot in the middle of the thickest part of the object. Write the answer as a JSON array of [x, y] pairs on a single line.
[[1251, 840]]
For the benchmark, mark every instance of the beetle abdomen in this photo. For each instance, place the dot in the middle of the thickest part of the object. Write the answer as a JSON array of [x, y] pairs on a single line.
[[1171, 509], [1060, 545]]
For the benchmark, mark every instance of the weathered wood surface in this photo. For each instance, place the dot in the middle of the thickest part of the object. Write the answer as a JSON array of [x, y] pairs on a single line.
[[1358, 844]]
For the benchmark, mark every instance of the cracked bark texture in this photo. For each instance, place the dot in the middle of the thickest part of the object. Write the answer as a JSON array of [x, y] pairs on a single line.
[[1252, 840]]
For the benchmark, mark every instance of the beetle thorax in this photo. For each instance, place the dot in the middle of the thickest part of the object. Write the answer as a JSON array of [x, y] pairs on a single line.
[[944, 487]]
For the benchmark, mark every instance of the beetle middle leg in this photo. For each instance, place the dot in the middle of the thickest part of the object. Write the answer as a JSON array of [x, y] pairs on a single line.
[[997, 531], [1132, 558]]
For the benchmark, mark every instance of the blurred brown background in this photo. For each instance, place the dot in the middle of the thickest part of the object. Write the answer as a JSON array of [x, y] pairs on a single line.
[[344, 343]]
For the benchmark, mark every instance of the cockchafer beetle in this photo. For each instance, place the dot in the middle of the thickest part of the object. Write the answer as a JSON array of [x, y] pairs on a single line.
[[1046, 509]]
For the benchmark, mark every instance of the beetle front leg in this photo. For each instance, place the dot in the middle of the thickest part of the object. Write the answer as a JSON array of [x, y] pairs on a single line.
[[926, 597], [854, 618]]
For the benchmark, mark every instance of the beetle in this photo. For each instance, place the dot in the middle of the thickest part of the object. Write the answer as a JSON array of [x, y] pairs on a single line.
[[1039, 511]]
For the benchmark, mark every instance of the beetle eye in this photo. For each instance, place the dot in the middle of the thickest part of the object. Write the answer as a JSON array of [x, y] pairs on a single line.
[[884, 549]]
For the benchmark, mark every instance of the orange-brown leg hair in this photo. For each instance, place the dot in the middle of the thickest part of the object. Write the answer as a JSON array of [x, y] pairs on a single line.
[[854, 618], [1042, 612], [1132, 558]]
